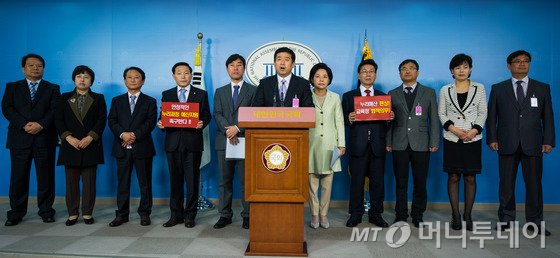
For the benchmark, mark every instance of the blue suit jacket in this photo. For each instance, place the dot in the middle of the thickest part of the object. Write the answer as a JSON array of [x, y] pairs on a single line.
[[510, 124]]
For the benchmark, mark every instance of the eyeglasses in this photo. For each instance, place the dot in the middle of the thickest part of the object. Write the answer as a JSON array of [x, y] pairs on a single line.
[[518, 61], [367, 72], [406, 69]]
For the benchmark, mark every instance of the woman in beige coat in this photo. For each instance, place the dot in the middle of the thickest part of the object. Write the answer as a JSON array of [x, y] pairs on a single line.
[[327, 135]]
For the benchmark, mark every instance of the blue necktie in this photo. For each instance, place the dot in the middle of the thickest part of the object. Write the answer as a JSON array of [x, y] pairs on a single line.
[[33, 90], [282, 91], [132, 103], [235, 95], [520, 94], [182, 96]]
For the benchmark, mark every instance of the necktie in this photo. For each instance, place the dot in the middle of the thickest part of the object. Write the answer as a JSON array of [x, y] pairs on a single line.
[[282, 90], [235, 95], [520, 94], [408, 90], [368, 93], [132, 103], [33, 90], [182, 96]]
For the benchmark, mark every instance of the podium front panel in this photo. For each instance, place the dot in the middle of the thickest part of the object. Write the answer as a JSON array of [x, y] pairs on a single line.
[[276, 165]]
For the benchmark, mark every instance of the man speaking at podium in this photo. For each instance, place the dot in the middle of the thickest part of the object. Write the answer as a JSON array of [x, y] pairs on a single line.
[[283, 89]]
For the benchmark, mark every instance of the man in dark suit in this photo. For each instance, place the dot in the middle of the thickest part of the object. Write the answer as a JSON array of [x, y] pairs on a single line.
[[412, 135], [281, 89], [521, 128], [184, 147], [132, 119], [227, 101], [29, 107], [366, 147]]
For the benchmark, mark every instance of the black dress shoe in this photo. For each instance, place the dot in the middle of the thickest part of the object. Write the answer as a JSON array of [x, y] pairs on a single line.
[[172, 222], [502, 227], [468, 221], [245, 223], [532, 228], [145, 221], [456, 222], [189, 223], [71, 222], [378, 221], [416, 222], [89, 221], [48, 220], [399, 220], [353, 221], [222, 222], [12, 222], [118, 221]]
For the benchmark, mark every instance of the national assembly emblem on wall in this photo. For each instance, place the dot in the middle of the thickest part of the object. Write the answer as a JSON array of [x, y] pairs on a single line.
[[260, 63]]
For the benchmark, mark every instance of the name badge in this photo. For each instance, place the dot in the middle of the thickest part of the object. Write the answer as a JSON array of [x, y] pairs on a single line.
[[534, 102], [418, 110]]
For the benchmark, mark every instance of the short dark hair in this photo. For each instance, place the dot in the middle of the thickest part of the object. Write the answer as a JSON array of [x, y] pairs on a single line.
[[367, 62], [516, 54], [31, 55], [135, 69], [458, 60], [406, 61], [83, 69], [180, 64], [316, 68], [285, 50], [235, 57]]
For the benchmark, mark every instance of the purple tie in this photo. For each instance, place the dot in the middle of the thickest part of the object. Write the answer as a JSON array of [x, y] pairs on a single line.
[[235, 95]]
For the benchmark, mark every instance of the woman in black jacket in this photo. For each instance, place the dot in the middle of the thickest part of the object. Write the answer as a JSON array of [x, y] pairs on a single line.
[[80, 120]]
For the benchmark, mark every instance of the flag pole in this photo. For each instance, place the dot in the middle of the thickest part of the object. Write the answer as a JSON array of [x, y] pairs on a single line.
[[198, 81]]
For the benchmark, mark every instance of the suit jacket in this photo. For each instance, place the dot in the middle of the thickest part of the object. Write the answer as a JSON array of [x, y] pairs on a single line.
[[69, 121], [358, 137], [268, 96], [187, 139], [422, 131], [327, 134], [141, 122], [472, 115], [510, 124], [226, 114], [18, 109]]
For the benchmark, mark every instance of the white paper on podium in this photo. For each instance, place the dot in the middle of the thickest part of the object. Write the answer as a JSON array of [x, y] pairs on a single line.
[[235, 151], [335, 156]]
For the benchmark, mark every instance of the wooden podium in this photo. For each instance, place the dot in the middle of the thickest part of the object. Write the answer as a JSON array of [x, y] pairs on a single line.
[[276, 177]]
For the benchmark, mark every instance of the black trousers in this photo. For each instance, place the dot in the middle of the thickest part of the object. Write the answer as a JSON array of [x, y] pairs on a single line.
[[19, 180], [531, 167], [372, 167], [419, 161], [184, 166], [144, 175]]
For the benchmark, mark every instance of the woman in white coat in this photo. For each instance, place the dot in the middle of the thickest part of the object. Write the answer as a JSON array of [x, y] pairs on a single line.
[[328, 135], [462, 112]]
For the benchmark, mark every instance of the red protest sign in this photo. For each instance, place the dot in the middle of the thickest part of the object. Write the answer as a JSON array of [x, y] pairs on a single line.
[[177, 114], [372, 108]]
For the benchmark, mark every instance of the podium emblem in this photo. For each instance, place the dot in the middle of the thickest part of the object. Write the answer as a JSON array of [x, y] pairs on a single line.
[[276, 158]]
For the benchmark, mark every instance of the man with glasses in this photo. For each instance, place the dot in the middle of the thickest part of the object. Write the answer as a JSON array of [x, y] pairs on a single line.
[[366, 147], [411, 137], [520, 128]]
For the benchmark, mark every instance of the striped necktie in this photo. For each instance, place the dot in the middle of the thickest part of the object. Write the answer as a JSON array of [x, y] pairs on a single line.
[[33, 90]]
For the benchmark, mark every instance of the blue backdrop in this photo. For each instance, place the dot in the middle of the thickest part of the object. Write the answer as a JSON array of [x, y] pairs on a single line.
[[110, 35]]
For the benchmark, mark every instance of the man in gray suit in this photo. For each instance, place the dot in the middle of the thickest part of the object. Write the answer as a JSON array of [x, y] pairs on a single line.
[[521, 128], [412, 135], [227, 101]]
